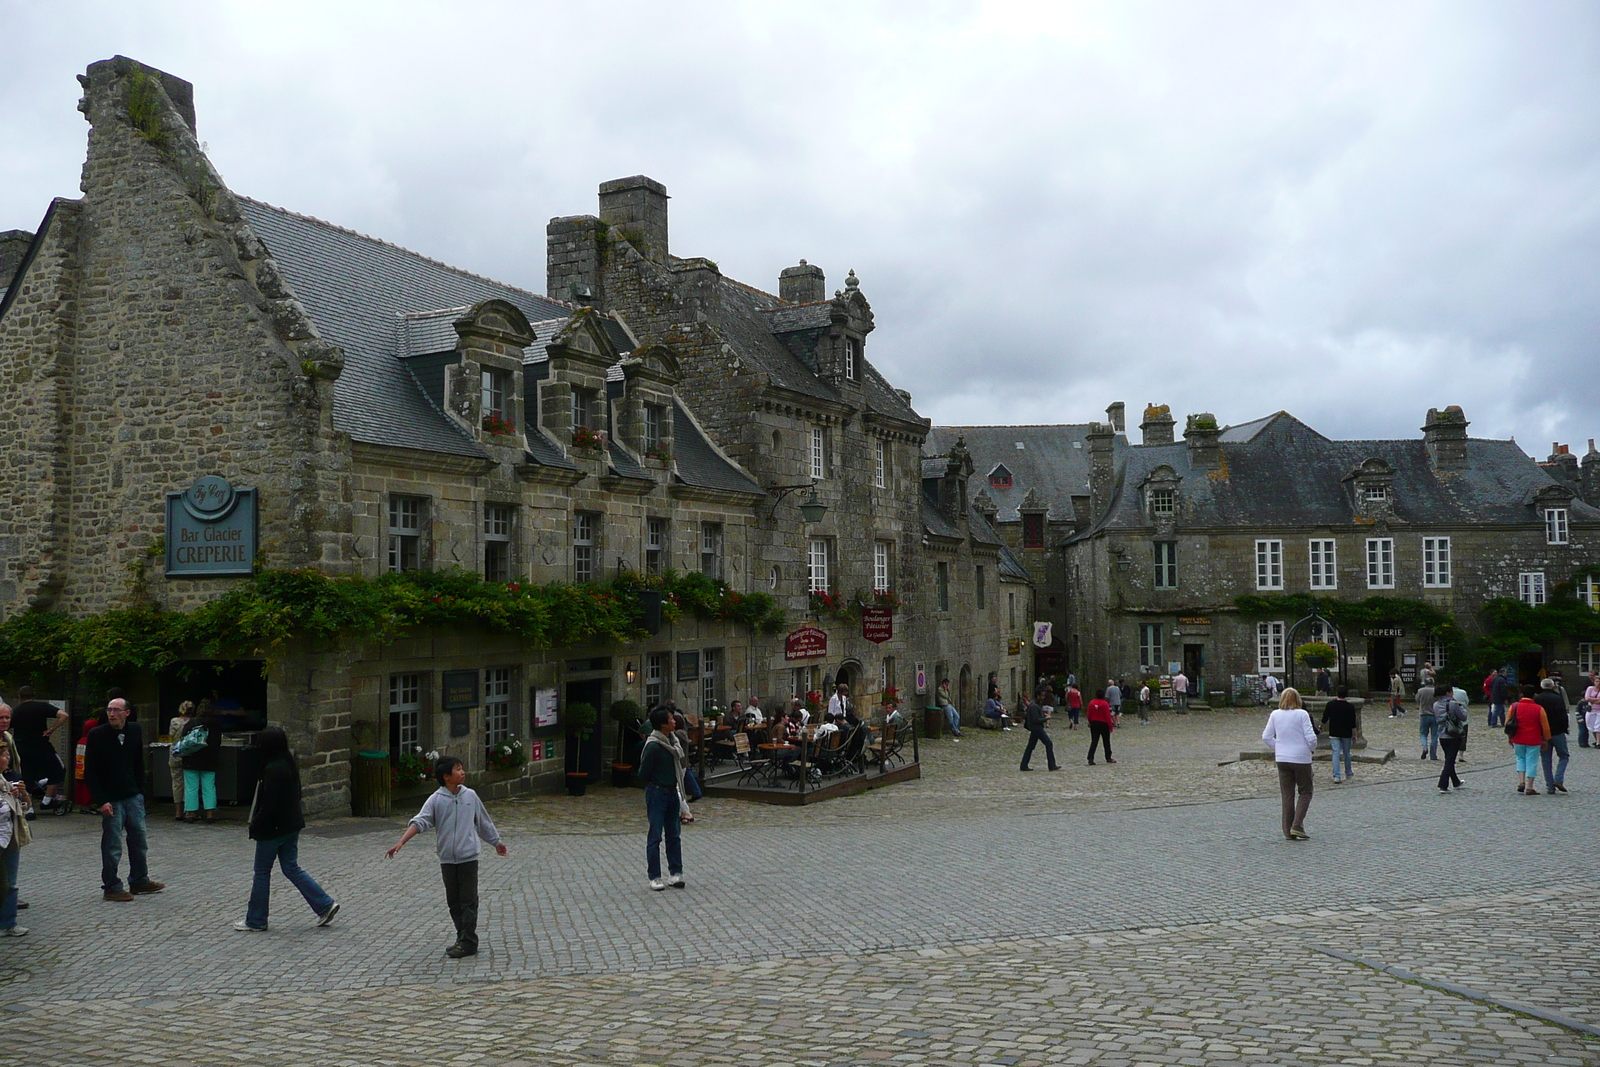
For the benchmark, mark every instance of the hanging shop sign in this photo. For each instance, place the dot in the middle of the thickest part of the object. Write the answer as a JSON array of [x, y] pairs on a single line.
[[1013, 646], [877, 624], [211, 530], [1041, 634], [805, 642]]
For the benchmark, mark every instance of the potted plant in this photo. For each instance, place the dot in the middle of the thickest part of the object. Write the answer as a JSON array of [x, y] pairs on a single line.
[[626, 714], [580, 719], [506, 756], [1316, 655]]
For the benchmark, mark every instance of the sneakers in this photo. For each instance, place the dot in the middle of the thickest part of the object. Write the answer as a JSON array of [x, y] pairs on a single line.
[[1337, 781], [657, 885], [244, 927], [1299, 835], [327, 917], [119, 895], [148, 887], [458, 950], [14, 931], [1444, 789], [676, 881], [1007, 729]]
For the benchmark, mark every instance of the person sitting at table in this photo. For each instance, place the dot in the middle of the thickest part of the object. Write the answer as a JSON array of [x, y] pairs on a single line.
[[798, 710], [752, 713], [892, 716], [787, 728], [827, 729], [733, 718]]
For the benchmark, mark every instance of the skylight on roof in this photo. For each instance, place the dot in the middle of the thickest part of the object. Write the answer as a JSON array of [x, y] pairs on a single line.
[[1019, 446]]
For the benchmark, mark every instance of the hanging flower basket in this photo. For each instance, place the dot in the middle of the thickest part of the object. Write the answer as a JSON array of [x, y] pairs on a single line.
[[1316, 655]]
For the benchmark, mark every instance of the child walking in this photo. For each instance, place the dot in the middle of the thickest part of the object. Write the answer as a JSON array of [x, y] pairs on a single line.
[[461, 821]]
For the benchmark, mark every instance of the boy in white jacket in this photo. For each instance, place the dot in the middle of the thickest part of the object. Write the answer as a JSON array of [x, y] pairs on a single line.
[[1293, 739], [458, 815]]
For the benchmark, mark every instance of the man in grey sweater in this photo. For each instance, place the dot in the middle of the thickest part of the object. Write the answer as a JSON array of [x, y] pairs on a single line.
[[461, 821]]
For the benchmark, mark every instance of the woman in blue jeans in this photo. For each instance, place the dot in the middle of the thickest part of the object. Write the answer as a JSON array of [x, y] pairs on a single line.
[[661, 769], [275, 824]]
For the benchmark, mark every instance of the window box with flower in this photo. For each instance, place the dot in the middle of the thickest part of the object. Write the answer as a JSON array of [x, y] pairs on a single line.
[[411, 770], [497, 424], [508, 755], [583, 437]]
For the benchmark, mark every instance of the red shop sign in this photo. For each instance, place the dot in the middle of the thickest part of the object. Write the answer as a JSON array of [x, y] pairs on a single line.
[[877, 624], [806, 642]]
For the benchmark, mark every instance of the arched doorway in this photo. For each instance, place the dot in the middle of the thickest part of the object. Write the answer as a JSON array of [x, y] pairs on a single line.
[[850, 673]]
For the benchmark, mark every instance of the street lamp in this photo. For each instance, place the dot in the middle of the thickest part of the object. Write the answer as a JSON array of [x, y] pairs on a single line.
[[811, 511]]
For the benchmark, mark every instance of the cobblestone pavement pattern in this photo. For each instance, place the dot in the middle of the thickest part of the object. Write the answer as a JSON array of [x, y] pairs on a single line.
[[1144, 913]]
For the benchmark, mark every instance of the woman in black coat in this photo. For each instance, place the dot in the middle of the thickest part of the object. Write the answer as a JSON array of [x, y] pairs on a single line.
[[275, 825]]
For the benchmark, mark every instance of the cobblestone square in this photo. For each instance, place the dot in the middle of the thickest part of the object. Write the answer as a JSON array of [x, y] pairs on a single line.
[[1141, 913]]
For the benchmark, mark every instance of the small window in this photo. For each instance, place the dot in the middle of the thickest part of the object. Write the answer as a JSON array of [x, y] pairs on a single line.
[[819, 452], [585, 526], [1436, 562], [1150, 645], [405, 713], [1033, 530], [1324, 563], [581, 408], [1589, 591], [1000, 478], [711, 678], [496, 394], [497, 705], [852, 358], [655, 545], [498, 520], [711, 549], [651, 418], [880, 566], [1269, 646], [978, 586], [1555, 526], [1375, 493], [1166, 564], [1011, 611], [942, 578], [1437, 652], [1530, 587], [655, 670], [1588, 657], [405, 533], [880, 463], [1380, 563], [817, 565], [1269, 564], [1163, 501]]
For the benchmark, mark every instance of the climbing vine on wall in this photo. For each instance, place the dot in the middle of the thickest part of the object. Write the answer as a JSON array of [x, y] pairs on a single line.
[[273, 608]]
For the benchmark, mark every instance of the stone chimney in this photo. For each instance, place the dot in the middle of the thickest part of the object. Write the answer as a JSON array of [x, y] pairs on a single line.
[[804, 284], [573, 271], [1101, 439], [1590, 474], [638, 207], [1116, 415], [1201, 433], [13, 246], [1157, 424], [1563, 466], [1445, 435], [953, 486]]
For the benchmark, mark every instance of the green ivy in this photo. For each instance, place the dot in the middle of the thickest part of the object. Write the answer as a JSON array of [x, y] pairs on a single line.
[[261, 615]]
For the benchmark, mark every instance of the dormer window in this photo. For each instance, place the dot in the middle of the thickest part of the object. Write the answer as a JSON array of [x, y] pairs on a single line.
[[496, 396], [650, 427], [1163, 501], [582, 408], [1000, 478], [852, 358], [1375, 493], [1555, 526], [1033, 530]]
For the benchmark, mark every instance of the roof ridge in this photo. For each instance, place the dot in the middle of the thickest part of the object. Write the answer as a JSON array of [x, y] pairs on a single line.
[[408, 251], [761, 292], [1011, 426]]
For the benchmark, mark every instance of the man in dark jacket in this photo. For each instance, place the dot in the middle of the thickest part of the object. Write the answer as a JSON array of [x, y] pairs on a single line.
[[1034, 718], [1554, 703], [113, 769], [1500, 695]]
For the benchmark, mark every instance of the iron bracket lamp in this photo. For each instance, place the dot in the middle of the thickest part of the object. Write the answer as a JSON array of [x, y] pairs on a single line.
[[811, 510]]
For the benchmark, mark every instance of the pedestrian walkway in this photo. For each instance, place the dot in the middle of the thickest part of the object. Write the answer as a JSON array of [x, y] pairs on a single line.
[[1099, 923]]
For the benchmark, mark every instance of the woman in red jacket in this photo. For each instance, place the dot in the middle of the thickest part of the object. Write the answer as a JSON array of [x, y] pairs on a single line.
[[1100, 723], [1530, 732]]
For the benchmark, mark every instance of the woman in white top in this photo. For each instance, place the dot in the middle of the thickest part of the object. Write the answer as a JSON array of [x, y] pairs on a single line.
[[1293, 739]]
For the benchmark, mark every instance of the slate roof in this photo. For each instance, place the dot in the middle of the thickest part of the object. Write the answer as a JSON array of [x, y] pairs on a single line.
[[1054, 460], [978, 529], [357, 289], [698, 461], [1278, 471]]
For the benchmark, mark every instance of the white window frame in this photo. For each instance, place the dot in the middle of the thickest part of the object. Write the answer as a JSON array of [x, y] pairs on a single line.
[[405, 701], [852, 359], [654, 678], [1589, 591], [495, 391], [1380, 563], [1150, 649], [1531, 589], [496, 705], [817, 565], [711, 678], [1269, 646], [1588, 657], [657, 543], [1324, 555], [499, 520], [405, 533], [711, 550], [650, 419], [1556, 528], [1166, 553], [1269, 564], [1436, 563], [584, 542], [581, 408], [1436, 651], [1163, 501], [819, 452], [881, 579], [880, 461]]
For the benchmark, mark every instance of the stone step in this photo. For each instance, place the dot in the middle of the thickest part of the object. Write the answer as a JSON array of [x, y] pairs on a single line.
[[1371, 755]]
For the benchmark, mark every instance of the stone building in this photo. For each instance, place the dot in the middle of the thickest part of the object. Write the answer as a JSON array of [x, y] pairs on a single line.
[[170, 343], [784, 383], [1166, 534]]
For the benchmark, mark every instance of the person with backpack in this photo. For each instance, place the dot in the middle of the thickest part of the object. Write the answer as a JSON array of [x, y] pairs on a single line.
[[1452, 728], [1034, 718], [1527, 731]]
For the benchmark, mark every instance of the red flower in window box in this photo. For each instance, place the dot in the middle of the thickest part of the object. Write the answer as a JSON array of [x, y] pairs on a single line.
[[583, 437], [498, 425]]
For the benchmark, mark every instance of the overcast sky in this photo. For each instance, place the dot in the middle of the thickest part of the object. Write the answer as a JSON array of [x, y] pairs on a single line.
[[1349, 211]]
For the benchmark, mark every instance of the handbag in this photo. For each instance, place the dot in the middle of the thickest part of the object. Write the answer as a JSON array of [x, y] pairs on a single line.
[[1511, 723], [191, 742]]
